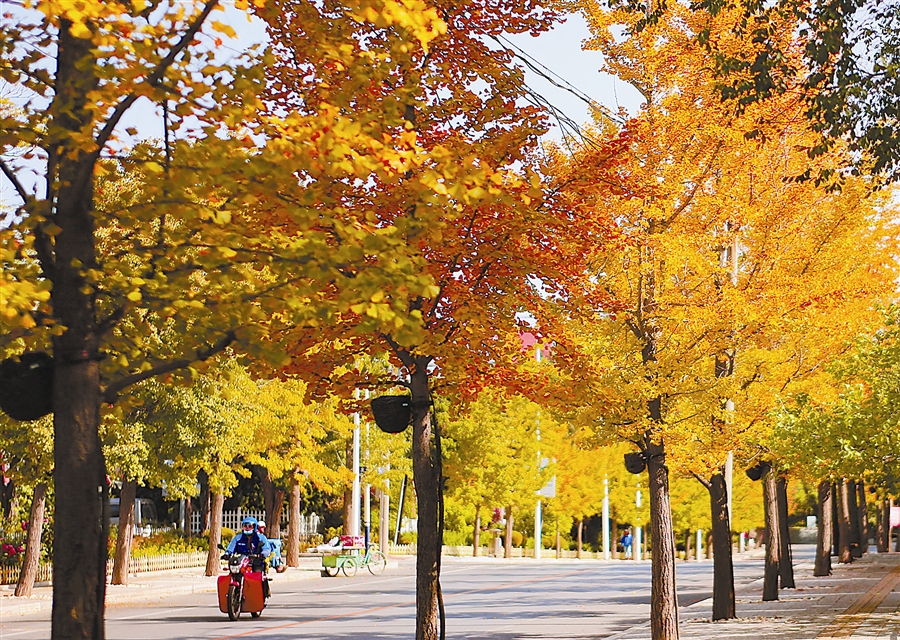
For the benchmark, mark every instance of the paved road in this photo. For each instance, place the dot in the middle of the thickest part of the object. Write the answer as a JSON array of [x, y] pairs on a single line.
[[484, 599]]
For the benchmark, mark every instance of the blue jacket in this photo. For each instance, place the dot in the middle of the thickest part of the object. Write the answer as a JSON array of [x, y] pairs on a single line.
[[256, 543]]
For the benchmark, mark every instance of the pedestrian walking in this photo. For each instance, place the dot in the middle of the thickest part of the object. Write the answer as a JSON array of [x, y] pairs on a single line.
[[627, 541]]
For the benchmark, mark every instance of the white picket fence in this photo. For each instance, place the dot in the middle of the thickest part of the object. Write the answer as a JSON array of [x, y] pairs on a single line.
[[309, 524]]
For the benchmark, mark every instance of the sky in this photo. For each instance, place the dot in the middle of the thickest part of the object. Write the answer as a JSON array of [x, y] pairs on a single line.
[[558, 50]]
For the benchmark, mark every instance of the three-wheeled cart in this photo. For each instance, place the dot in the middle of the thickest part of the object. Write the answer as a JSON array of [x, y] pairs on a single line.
[[349, 558]]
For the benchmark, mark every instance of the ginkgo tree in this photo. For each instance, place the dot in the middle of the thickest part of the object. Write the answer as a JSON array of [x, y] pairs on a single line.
[[706, 273], [193, 249], [470, 217]]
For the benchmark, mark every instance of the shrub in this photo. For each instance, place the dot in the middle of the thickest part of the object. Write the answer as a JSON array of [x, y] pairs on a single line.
[[458, 538], [517, 538], [165, 542]]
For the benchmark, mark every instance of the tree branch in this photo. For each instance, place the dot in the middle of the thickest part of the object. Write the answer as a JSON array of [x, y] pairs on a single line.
[[154, 79], [15, 181], [111, 393]]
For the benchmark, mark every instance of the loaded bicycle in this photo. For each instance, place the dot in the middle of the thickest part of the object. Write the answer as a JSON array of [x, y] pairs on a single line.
[[349, 558]]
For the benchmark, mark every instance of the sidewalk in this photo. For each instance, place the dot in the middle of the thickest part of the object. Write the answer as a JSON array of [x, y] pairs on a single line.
[[145, 587], [858, 601]]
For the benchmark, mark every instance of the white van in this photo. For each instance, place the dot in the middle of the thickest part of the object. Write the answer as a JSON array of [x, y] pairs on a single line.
[[144, 512]]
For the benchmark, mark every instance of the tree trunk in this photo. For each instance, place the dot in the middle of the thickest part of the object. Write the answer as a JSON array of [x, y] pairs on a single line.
[[663, 598], [476, 533], [7, 496], [884, 537], [786, 561], [126, 532], [273, 499], [425, 476], [823, 538], [215, 533], [579, 543], [558, 542], [835, 519], [844, 535], [188, 516], [862, 509], [33, 542], [723, 564], [613, 538], [855, 534], [293, 541], [507, 550], [203, 480], [773, 537]]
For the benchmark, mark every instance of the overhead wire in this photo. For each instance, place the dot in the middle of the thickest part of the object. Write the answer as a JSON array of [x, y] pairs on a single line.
[[569, 128]]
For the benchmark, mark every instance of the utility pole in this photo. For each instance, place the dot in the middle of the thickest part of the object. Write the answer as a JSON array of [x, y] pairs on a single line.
[[367, 491], [354, 506], [606, 537], [538, 540]]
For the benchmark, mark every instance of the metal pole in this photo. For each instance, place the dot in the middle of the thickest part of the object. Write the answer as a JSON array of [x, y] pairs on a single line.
[[384, 526], [400, 510], [606, 540], [367, 510], [354, 508], [538, 540]]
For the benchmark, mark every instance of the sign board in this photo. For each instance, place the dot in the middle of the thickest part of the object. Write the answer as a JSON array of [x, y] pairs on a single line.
[[549, 489], [895, 517]]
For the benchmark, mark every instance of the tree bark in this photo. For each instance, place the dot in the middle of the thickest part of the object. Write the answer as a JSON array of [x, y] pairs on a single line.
[[126, 532], [203, 480], [80, 522], [613, 538], [579, 543], [786, 561], [823, 537], [855, 534], [188, 516], [7, 496], [687, 545], [663, 598], [215, 533], [293, 541], [425, 476], [885, 530], [844, 535], [507, 550], [773, 537], [835, 519], [862, 509], [476, 533], [723, 564], [273, 500], [33, 542]]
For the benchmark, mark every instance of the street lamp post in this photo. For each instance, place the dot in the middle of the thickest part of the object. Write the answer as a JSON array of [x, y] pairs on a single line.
[[606, 540], [638, 533]]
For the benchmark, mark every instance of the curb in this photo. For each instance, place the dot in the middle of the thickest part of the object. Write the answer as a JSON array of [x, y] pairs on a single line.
[[116, 595]]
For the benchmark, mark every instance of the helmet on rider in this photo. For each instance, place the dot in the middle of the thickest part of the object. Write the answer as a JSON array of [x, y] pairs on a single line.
[[261, 526], [248, 525]]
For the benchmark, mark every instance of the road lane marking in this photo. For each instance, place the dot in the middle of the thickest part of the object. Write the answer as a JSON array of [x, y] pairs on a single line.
[[845, 624], [152, 613], [351, 614]]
